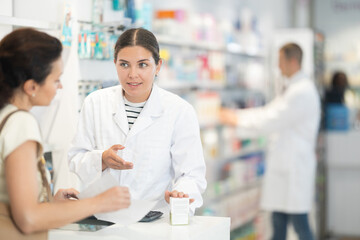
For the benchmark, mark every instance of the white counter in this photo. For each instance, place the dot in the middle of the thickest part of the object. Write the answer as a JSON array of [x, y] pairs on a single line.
[[343, 180], [200, 228]]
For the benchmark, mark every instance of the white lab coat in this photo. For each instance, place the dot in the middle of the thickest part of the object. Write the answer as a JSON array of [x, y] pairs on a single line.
[[291, 122], [164, 143]]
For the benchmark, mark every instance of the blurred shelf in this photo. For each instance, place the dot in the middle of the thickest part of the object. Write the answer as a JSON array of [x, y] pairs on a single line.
[[235, 156], [97, 70], [256, 183], [117, 26], [243, 152], [209, 46], [210, 125], [241, 204], [235, 48], [173, 85], [341, 61], [21, 22], [242, 221], [163, 39]]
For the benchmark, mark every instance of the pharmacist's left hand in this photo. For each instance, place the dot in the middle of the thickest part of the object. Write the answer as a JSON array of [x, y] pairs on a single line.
[[66, 194], [176, 194]]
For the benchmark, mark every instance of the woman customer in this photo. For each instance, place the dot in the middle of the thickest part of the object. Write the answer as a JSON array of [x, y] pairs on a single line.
[[30, 68]]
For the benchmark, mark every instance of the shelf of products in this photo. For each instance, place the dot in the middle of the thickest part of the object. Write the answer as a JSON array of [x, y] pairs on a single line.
[[194, 67], [232, 48], [221, 144], [255, 229], [241, 208], [168, 40], [232, 181], [218, 191]]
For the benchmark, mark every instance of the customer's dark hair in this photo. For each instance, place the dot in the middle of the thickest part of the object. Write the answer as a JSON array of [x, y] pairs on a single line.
[[339, 80], [25, 54], [292, 50], [138, 37]]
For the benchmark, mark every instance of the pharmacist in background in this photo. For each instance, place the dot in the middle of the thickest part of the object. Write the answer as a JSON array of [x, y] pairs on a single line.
[[146, 137], [339, 85], [291, 123], [336, 112]]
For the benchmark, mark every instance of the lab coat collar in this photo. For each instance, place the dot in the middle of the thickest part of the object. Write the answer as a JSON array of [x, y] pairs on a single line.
[[298, 76], [118, 110], [152, 110], [153, 106]]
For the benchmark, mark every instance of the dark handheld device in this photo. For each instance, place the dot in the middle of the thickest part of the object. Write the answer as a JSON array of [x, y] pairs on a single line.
[[89, 224], [151, 216]]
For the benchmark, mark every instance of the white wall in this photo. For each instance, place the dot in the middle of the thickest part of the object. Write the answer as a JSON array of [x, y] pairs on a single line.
[[339, 20], [276, 10], [38, 9], [6, 9], [57, 121]]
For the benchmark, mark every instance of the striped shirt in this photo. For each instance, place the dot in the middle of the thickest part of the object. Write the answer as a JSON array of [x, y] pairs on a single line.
[[132, 111]]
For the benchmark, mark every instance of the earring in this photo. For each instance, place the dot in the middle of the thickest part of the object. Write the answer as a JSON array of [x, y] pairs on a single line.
[[33, 95]]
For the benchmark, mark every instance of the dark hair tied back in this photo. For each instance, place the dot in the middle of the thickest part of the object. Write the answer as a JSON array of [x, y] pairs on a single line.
[[138, 37]]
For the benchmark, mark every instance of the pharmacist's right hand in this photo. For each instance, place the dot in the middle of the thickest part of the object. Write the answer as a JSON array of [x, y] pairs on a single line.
[[228, 117], [110, 159], [113, 199]]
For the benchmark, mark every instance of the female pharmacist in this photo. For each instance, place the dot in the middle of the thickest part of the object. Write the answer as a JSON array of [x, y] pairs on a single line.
[[30, 67], [156, 132]]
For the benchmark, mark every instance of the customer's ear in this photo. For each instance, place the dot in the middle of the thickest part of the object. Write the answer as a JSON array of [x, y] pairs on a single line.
[[30, 87]]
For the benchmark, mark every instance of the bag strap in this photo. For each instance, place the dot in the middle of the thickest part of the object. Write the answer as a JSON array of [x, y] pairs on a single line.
[[4, 208], [40, 165], [2, 124]]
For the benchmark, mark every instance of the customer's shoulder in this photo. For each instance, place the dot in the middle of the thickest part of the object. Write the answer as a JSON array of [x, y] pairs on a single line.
[[16, 114], [19, 121]]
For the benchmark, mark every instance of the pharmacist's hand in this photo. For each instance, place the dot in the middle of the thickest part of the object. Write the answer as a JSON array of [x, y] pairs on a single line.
[[228, 117], [113, 199], [110, 159], [66, 194], [176, 194]]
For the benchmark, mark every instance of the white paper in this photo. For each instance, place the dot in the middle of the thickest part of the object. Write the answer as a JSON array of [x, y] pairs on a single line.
[[106, 182], [137, 210]]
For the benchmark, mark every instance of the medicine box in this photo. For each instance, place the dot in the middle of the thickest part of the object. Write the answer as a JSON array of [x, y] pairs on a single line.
[[179, 211]]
